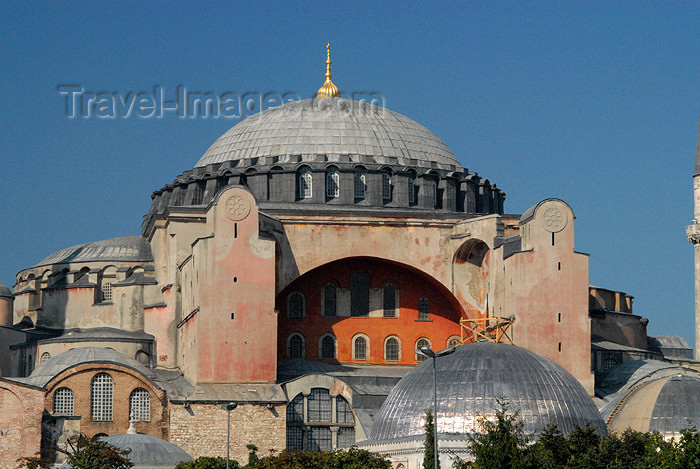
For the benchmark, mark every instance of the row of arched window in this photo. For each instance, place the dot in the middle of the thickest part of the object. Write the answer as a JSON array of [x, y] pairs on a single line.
[[102, 401], [296, 346], [359, 300], [319, 422]]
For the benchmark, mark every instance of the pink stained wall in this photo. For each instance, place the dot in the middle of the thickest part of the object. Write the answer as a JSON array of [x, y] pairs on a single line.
[[236, 324], [550, 294]]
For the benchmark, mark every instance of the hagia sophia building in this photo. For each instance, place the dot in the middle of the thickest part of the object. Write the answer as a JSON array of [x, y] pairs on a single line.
[[286, 282]]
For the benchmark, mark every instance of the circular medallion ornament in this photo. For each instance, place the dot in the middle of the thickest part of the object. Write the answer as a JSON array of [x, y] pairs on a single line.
[[554, 219], [237, 208]]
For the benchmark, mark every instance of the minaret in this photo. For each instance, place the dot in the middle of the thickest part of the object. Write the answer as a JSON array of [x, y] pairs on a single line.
[[693, 233], [328, 90]]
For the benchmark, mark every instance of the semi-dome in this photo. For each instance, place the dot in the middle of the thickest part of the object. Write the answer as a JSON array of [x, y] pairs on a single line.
[[667, 404], [332, 127], [149, 452], [469, 383]]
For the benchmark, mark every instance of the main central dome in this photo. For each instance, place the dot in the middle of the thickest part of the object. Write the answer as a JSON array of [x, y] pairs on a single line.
[[332, 127]]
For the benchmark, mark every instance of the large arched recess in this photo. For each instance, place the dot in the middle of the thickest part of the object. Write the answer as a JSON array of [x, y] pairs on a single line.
[[410, 284]]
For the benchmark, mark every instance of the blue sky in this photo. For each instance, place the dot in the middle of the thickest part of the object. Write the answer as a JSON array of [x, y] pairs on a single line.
[[596, 103]]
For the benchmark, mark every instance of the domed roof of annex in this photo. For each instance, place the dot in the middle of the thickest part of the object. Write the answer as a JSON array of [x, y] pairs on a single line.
[[470, 381], [335, 127], [124, 249], [667, 404], [148, 452]]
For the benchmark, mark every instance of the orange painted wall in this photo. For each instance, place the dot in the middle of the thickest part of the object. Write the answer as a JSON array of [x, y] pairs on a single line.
[[443, 322]]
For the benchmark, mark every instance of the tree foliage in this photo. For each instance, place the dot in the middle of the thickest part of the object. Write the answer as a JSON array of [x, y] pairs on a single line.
[[207, 462], [352, 458], [429, 444], [85, 453]]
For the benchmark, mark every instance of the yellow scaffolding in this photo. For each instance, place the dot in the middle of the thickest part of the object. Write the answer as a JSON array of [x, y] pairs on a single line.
[[495, 329]]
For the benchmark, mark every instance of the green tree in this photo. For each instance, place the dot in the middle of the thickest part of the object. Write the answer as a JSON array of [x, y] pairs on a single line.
[[86, 453], [429, 444], [207, 462], [252, 456], [352, 458]]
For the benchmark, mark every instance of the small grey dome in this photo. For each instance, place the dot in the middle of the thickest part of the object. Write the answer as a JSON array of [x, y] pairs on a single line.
[[333, 126], [125, 249], [5, 292], [149, 452], [665, 404], [469, 382]]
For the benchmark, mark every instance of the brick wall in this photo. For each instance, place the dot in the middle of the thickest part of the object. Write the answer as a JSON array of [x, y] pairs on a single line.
[[201, 429], [20, 422]]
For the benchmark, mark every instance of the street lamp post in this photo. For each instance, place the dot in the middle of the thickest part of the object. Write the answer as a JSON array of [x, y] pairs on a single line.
[[228, 407], [428, 352]]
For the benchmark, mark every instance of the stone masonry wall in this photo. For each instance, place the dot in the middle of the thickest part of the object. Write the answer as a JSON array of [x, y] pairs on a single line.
[[201, 429], [20, 422]]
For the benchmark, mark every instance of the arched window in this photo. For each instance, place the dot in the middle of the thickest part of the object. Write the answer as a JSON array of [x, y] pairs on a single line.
[[389, 294], [360, 183], [198, 193], [295, 306], [392, 351], [328, 347], [386, 186], [332, 183], [140, 405], [454, 341], [319, 405], [30, 365], [360, 348], [44, 356], [422, 342], [305, 189], [609, 363], [329, 299], [411, 189], [63, 401], [295, 417], [108, 276], [296, 346], [101, 397], [309, 421], [423, 309], [359, 294]]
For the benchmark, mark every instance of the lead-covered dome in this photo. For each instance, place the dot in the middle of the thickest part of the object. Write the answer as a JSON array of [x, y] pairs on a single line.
[[149, 452], [471, 380], [332, 127]]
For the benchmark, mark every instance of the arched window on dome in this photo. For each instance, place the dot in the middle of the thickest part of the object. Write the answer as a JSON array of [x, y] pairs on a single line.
[[63, 401], [412, 188], [296, 345], [330, 300], [360, 183], [332, 183], [392, 349], [389, 294], [102, 388], [386, 186], [304, 180], [296, 306], [359, 294], [422, 342], [108, 276], [140, 405]]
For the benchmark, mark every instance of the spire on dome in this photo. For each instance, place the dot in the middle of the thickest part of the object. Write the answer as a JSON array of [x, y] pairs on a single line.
[[328, 90]]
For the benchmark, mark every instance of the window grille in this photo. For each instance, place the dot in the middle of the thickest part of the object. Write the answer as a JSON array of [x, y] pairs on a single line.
[[101, 398], [386, 186], [319, 403], [359, 294], [454, 342], [389, 294], [346, 436], [328, 347], [140, 405], [411, 191], [305, 183], [343, 412], [360, 348], [295, 438], [296, 346], [296, 306], [319, 439], [295, 409], [609, 363], [106, 291], [332, 183], [329, 300], [63, 401], [423, 309], [421, 343], [392, 349], [360, 184]]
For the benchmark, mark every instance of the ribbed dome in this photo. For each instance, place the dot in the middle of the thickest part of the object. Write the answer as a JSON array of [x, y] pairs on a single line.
[[149, 452], [665, 404], [125, 249], [469, 382], [332, 127]]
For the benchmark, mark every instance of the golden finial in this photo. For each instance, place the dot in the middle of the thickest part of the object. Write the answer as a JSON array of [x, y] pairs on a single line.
[[328, 90]]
